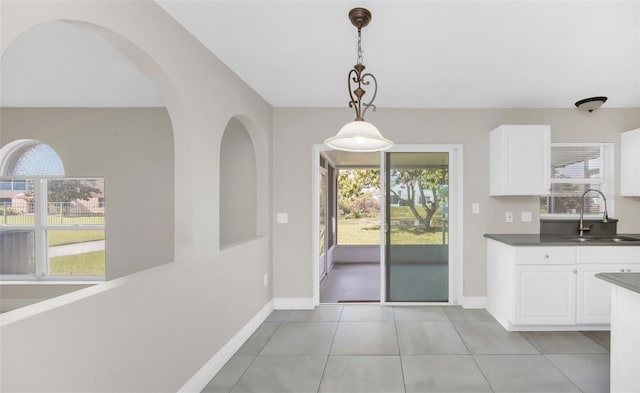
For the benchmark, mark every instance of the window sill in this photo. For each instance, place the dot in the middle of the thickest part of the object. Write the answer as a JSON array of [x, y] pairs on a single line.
[[570, 216], [26, 281]]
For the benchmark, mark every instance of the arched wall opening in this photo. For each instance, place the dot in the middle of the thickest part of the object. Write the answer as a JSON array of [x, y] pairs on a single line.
[[98, 130]]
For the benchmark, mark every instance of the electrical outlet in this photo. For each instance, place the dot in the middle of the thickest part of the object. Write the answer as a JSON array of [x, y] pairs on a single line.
[[508, 216], [525, 217], [475, 208], [266, 279], [282, 218]]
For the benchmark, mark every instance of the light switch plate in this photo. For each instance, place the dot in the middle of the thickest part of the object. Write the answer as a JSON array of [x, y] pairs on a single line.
[[282, 218], [508, 217], [525, 217], [475, 208]]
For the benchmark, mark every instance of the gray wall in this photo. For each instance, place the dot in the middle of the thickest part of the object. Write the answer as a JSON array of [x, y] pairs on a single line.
[[297, 129], [171, 319]]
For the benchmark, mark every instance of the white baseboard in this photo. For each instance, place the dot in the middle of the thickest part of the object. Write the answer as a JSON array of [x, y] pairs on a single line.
[[474, 302], [293, 303], [198, 382]]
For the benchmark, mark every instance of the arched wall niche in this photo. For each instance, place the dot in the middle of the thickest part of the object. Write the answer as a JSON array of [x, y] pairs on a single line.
[[238, 185], [261, 148]]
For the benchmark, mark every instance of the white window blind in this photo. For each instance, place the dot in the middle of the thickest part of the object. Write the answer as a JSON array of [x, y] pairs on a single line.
[[576, 168]]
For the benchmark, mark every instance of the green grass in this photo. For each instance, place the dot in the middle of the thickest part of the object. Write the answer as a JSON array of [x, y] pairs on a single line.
[[403, 213], [57, 238], [359, 231], [28, 219], [91, 263], [367, 230], [63, 220]]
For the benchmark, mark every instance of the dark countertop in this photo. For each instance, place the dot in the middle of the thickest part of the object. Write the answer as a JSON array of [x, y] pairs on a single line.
[[520, 239], [630, 281]]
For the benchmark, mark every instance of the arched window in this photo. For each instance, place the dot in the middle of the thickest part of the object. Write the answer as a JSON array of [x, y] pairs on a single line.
[[51, 227], [27, 157], [238, 185]]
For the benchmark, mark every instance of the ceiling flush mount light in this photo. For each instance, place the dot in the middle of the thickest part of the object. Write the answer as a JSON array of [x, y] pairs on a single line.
[[590, 104], [360, 135]]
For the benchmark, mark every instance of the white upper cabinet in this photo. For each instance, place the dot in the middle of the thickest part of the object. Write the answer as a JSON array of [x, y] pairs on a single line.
[[520, 160], [630, 163]]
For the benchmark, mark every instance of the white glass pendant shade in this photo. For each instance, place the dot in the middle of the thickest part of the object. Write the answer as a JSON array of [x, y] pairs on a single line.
[[359, 136]]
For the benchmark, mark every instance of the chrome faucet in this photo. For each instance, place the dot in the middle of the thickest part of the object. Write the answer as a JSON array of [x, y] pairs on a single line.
[[605, 216]]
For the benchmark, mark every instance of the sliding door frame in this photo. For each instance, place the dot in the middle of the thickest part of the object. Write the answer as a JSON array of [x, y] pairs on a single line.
[[455, 219]]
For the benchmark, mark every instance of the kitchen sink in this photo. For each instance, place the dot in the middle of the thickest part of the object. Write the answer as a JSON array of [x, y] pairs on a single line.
[[604, 239]]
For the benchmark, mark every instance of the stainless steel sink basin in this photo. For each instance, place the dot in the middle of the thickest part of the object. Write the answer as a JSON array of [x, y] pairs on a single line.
[[604, 239]]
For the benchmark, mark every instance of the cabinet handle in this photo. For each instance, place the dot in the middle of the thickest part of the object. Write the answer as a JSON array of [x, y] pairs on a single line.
[[546, 256], [575, 272], [628, 270], [621, 270]]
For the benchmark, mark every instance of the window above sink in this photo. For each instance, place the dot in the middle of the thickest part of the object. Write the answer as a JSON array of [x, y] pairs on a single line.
[[576, 167]]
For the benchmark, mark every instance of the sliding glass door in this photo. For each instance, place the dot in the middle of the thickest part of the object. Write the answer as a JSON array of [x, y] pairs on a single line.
[[417, 222]]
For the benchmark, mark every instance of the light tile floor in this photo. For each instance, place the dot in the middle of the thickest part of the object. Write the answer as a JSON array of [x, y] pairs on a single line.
[[348, 282], [371, 348]]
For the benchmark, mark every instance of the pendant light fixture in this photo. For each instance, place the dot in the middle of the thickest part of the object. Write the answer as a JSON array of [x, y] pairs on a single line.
[[360, 135]]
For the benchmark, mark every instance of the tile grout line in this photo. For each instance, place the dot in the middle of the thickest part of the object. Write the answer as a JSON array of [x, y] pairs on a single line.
[[473, 356], [560, 371], [257, 354], [552, 363], [605, 348], [549, 360], [395, 327], [330, 348]]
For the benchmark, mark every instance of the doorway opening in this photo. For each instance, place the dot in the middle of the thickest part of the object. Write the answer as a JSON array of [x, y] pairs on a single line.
[[355, 269], [389, 225]]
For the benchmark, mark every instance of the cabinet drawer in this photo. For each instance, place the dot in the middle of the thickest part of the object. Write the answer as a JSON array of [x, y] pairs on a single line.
[[611, 254], [545, 255]]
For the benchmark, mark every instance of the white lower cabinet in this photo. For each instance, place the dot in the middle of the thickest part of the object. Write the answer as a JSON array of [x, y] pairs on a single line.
[[538, 287], [594, 294], [545, 295]]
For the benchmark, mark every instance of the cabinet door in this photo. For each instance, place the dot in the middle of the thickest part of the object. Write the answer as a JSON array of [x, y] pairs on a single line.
[[519, 160], [594, 294], [629, 163], [545, 295]]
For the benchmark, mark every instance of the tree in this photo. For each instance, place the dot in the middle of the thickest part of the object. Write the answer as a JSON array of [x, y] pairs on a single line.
[[417, 182], [65, 191], [352, 182], [61, 191], [354, 201], [70, 190]]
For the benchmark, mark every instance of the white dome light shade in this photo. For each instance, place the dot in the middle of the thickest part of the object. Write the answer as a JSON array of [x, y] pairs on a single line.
[[359, 136], [591, 104]]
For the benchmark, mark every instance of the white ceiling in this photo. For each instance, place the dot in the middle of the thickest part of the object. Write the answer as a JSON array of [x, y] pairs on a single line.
[[427, 54]]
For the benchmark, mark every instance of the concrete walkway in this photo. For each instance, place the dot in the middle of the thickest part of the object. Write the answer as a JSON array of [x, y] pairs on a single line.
[[76, 248]]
